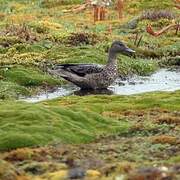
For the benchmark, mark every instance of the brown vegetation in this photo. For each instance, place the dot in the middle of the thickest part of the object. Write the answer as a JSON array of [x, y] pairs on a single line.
[[99, 13], [163, 139], [120, 7], [21, 31], [168, 119], [177, 4]]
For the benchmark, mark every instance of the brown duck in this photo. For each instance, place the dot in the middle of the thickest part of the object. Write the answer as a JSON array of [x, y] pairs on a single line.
[[93, 76]]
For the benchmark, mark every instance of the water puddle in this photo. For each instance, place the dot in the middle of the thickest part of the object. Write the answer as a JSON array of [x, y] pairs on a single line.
[[162, 80]]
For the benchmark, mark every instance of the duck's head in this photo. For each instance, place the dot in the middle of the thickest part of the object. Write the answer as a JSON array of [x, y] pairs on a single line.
[[120, 47]]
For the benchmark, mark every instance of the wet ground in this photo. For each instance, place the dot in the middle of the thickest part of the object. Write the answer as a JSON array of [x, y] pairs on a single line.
[[162, 80]]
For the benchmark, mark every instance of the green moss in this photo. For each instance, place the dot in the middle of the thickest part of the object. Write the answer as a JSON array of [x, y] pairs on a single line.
[[16, 140], [75, 120], [25, 124], [121, 103], [28, 77], [25, 48]]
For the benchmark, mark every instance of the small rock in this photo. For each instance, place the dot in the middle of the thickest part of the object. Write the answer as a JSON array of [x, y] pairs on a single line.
[[121, 84], [76, 173], [132, 83]]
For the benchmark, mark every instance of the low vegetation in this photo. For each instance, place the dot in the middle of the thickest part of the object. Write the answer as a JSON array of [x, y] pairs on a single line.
[[141, 129], [95, 136], [51, 124]]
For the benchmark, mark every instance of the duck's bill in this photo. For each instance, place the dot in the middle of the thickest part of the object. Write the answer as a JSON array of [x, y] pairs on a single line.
[[129, 52]]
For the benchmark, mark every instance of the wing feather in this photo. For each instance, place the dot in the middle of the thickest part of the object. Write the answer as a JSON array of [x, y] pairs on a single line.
[[80, 69]]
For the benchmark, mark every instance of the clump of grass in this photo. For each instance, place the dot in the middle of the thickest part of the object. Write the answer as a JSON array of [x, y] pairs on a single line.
[[170, 61], [77, 39], [25, 125], [22, 31], [45, 26], [171, 50], [138, 66], [10, 90]]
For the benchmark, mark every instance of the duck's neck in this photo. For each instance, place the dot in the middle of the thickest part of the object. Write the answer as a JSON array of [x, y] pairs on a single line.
[[112, 58]]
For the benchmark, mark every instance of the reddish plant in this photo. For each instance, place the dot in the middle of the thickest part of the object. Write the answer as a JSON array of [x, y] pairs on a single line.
[[165, 29]]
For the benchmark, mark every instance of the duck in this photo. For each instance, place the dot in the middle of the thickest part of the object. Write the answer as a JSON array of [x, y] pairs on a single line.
[[93, 76]]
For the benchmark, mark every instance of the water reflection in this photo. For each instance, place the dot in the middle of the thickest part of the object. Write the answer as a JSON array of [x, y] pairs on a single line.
[[93, 92]]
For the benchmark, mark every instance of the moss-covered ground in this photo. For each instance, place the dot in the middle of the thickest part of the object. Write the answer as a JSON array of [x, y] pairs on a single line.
[[104, 133], [96, 136]]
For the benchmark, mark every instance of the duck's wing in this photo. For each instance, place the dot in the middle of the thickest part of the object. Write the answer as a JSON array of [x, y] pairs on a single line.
[[80, 69], [72, 77]]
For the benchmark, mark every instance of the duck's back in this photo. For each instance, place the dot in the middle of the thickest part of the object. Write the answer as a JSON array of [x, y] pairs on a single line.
[[103, 79]]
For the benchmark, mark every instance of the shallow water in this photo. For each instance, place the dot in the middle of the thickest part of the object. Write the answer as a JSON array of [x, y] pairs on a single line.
[[162, 80]]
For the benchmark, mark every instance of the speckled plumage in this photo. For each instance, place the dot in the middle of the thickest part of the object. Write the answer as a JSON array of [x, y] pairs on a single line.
[[93, 76]]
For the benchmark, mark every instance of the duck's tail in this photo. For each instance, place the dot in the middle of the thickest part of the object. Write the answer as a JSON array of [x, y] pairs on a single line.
[[69, 76]]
